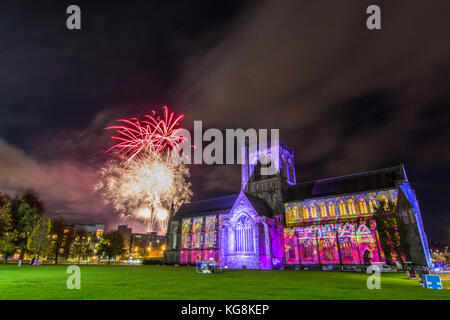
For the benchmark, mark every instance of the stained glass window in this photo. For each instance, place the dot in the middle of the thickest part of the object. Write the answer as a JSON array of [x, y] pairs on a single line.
[[342, 210], [244, 234]]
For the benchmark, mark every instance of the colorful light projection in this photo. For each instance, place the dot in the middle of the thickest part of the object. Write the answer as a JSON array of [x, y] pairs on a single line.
[[210, 232], [332, 208], [186, 234], [197, 233], [199, 239], [335, 243]]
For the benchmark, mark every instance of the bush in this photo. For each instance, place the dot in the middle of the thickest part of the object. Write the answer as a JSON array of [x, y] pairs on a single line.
[[152, 261]]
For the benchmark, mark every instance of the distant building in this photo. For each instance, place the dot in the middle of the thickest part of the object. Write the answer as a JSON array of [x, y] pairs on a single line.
[[95, 229], [142, 245], [147, 245], [93, 233]]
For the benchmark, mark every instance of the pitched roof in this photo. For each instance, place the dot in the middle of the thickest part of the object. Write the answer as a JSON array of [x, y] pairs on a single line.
[[205, 207], [260, 205], [353, 183]]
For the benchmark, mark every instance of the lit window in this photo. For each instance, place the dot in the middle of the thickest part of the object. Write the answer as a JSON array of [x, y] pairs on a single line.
[[347, 248], [342, 210], [313, 212], [295, 212], [305, 214], [244, 234], [331, 209], [362, 206], [351, 207], [323, 210]]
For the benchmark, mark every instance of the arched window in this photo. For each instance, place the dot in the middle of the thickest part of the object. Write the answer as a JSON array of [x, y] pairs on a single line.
[[305, 213], [347, 248], [362, 206], [351, 207], [291, 249], [323, 210], [186, 235], [342, 210], [210, 232], [296, 213], [308, 250], [197, 226], [331, 209], [328, 250], [313, 211], [244, 234]]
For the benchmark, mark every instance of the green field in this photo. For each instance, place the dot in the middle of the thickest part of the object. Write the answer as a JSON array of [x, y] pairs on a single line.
[[168, 282]]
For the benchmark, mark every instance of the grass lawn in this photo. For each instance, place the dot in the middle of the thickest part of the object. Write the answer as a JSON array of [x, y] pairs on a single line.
[[168, 282]]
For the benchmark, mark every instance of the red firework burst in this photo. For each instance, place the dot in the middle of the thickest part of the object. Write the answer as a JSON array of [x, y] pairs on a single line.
[[152, 136]]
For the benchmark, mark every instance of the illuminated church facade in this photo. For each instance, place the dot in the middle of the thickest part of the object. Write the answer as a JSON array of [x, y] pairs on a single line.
[[273, 222]]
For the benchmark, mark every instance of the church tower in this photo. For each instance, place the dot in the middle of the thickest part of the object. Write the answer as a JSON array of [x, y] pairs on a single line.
[[254, 178]]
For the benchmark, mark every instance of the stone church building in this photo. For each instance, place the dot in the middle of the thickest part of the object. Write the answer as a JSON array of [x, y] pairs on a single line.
[[276, 222]]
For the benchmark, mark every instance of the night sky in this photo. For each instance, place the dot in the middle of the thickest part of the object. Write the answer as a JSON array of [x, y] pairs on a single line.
[[346, 99]]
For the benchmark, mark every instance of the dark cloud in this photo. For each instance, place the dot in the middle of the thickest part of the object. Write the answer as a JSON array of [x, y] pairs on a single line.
[[65, 185], [345, 98]]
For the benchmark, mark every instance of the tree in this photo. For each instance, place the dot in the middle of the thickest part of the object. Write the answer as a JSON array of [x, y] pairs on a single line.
[[8, 244], [5, 218], [392, 232], [26, 210], [31, 197], [111, 245], [81, 246], [39, 239], [58, 237]]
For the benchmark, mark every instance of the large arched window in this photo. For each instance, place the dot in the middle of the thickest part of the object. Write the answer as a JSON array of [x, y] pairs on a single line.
[[210, 232], [244, 234]]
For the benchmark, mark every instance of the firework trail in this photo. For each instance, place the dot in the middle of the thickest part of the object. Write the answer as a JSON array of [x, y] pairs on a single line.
[[149, 137], [140, 180]]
